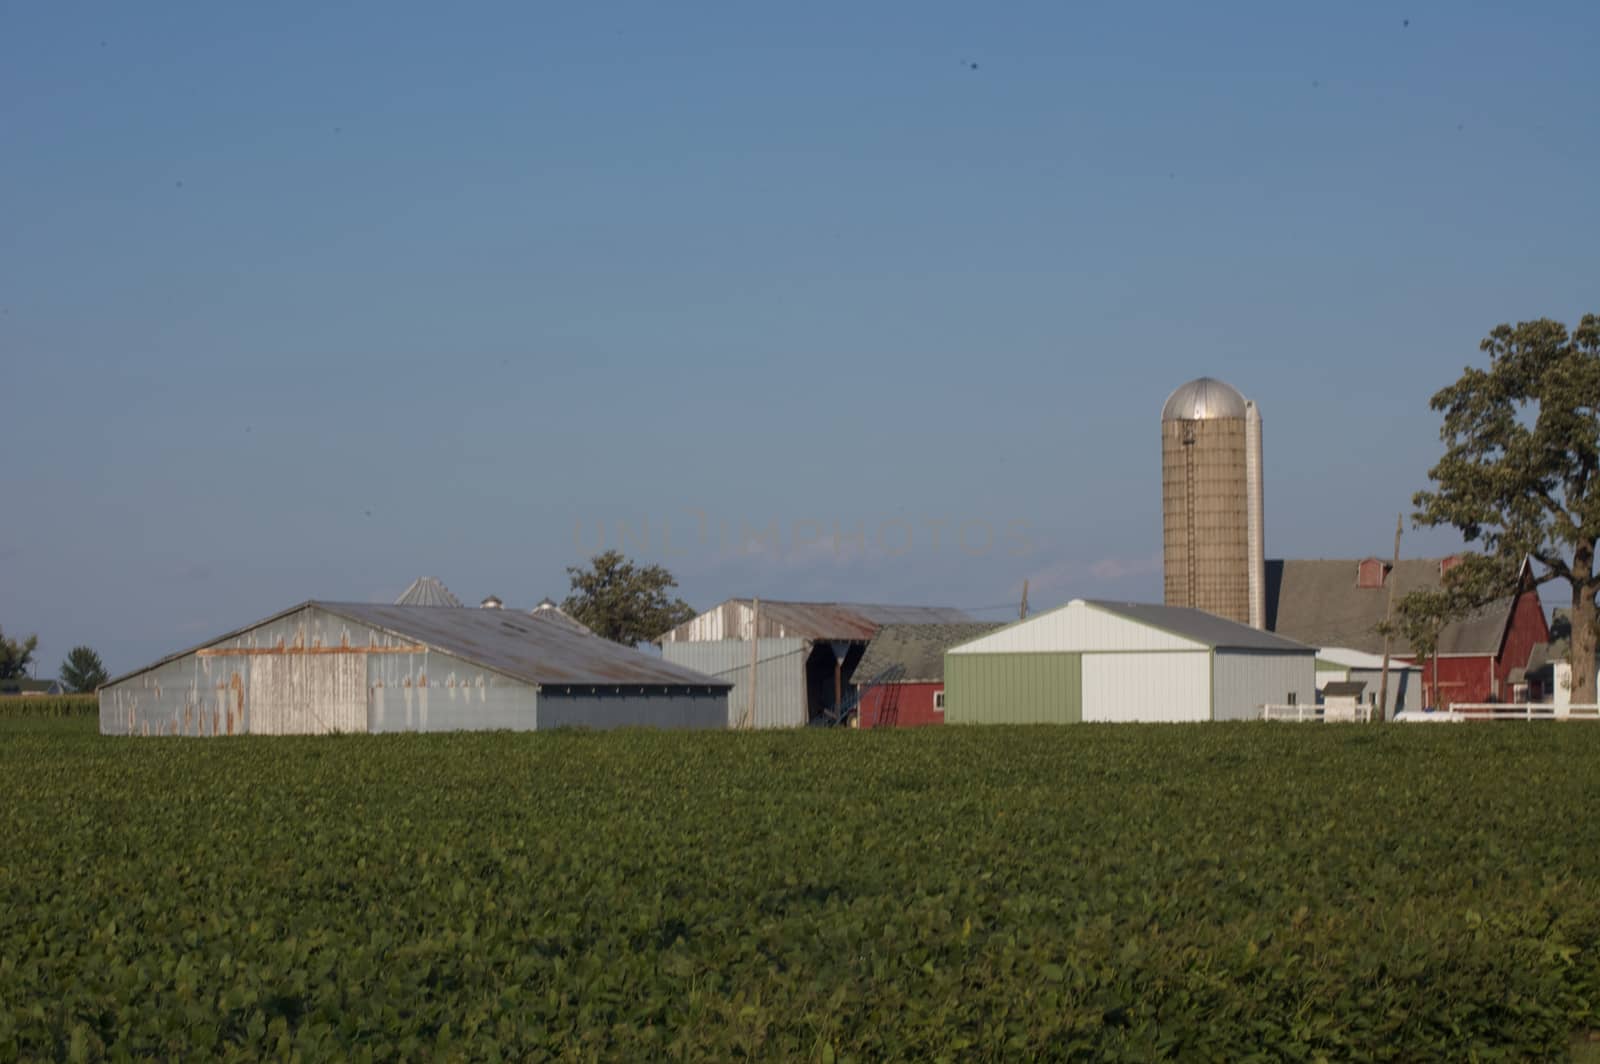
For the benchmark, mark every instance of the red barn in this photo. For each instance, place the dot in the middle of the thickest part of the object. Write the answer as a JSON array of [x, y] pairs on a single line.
[[900, 679], [1340, 604]]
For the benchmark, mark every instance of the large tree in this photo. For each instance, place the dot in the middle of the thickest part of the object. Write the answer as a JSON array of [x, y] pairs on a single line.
[[624, 602], [1521, 472], [15, 655], [83, 671]]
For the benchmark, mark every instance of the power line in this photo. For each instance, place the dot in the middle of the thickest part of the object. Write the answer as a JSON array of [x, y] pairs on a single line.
[[759, 661]]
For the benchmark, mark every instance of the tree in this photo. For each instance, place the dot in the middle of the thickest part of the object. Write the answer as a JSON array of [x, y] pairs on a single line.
[[1418, 618], [15, 655], [83, 671], [1521, 472], [623, 602]]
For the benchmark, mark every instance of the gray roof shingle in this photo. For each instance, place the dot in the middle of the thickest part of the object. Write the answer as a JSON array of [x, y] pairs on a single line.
[[1318, 602], [914, 653]]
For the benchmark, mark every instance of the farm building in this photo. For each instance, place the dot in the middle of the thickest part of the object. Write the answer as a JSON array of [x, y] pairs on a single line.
[[900, 679], [1124, 661], [1343, 700], [359, 667], [1549, 670], [805, 653], [1340, 604], [1343, 665]]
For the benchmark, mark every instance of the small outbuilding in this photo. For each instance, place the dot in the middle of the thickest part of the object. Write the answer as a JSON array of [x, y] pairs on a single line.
[[900, 678], [1343, 664], [325, 667], [1124, 661], [1343, 700]]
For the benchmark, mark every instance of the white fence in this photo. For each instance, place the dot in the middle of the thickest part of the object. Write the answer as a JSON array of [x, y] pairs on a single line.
[[1523, 711], [1310, 714]]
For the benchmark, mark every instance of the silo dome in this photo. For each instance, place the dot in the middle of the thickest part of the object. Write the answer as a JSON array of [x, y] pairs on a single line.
[[1203, 399]]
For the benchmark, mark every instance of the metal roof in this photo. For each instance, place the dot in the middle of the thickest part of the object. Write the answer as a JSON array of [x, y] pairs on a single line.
[[914, 653], [1344, 688], [547, 610], [513, 644], [1346, 658], [1319, 602], [427, 591], [1202, 400], [540, 652], [1202, 627], [848, 621]]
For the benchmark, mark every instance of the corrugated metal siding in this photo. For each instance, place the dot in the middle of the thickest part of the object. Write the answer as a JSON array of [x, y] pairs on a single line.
[[1169, 686], [457, 696], [671, 709], [780, 676], [302, 694], [1023, 688], [1405, 685], [1075, 627], [1244, 682], [309, 671]]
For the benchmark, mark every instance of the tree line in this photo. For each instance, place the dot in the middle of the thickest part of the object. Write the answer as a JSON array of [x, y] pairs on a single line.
[[81, 673]]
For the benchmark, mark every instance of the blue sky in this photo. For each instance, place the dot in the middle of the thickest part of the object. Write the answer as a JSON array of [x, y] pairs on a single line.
[[307, 302]]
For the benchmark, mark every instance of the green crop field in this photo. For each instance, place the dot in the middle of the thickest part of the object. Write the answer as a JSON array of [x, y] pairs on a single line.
[[1211, 892]]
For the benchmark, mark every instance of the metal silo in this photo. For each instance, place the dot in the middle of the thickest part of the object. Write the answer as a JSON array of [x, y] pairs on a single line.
[[1211, 493]]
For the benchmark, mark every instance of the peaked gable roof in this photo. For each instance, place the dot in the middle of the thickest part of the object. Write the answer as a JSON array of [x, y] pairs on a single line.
[[1096, 625], [914, 653], [427, 591], [1200, 626], [848, 621], [516, 645], [1318, 601]]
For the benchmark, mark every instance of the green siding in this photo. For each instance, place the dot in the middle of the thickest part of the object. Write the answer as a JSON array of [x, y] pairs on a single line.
[[1013, 688]]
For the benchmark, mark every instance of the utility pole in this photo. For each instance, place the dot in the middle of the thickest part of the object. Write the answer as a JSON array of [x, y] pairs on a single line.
[[1381, 711], [755, 647], [1022, 611]]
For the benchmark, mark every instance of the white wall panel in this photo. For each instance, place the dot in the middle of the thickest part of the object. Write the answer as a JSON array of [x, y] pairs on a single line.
[[780, 676], [1077, 626], [1245, 682], [1170, 686]]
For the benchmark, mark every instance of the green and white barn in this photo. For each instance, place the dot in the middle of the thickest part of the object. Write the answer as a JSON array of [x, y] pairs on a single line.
[[1124, 661]]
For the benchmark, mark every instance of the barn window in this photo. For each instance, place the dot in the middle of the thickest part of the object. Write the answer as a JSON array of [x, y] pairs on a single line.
[[1370, 573], [1294, 698], [938, 701]]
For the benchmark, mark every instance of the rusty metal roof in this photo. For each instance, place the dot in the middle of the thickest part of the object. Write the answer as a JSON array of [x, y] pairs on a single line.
[[518, 645], [523, 647], [848, 621]]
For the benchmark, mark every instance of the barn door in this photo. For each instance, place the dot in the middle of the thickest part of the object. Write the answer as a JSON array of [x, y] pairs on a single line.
[[308, 694]]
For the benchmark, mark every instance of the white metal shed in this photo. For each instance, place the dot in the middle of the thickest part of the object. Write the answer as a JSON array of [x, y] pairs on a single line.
[[1124, 661]]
